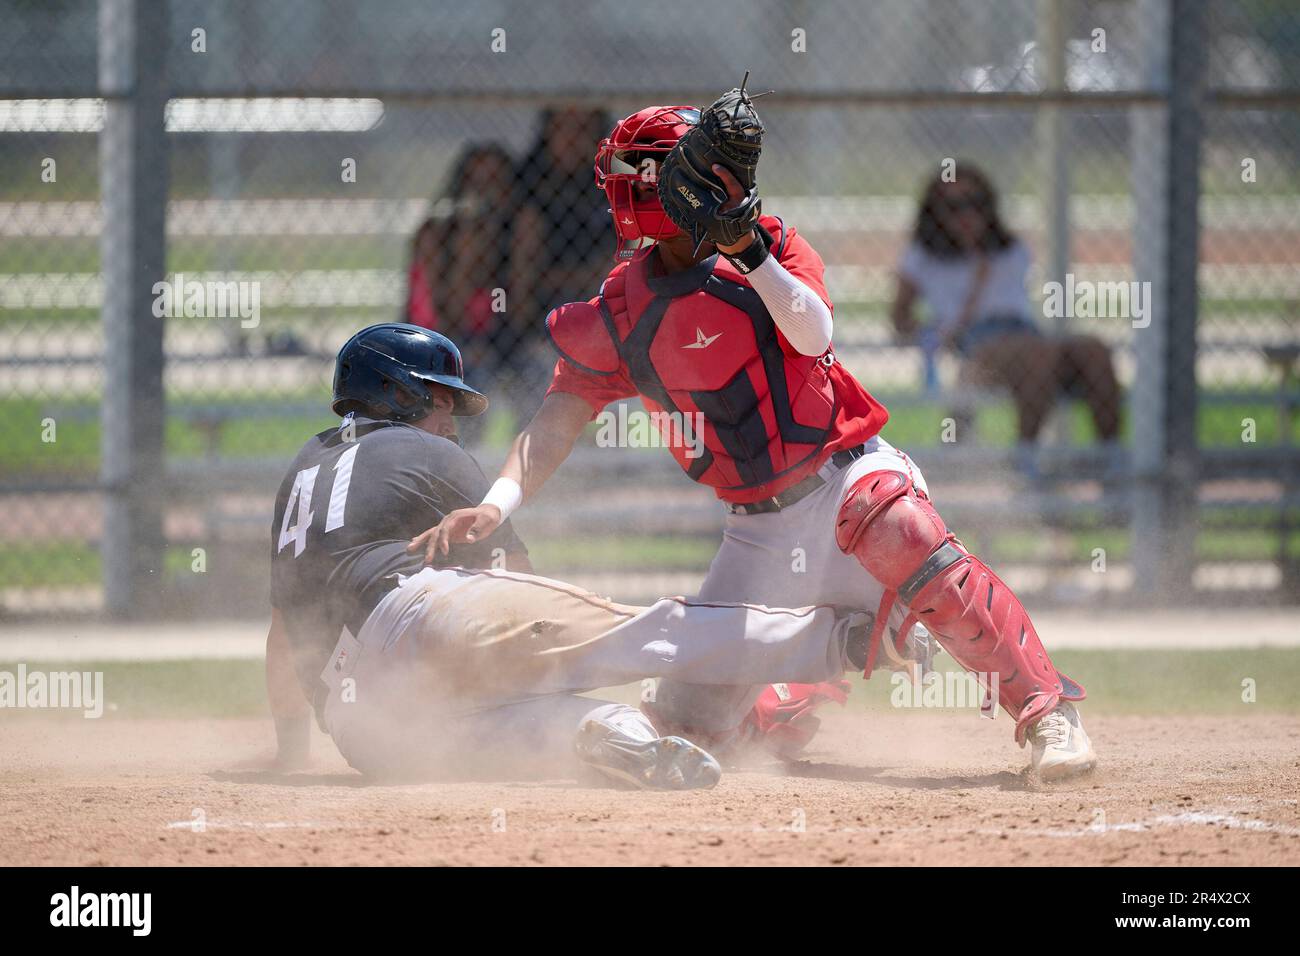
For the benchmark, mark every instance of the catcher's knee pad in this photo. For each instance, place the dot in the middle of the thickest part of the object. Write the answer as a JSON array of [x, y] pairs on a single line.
[[888, 527], [896, 534]]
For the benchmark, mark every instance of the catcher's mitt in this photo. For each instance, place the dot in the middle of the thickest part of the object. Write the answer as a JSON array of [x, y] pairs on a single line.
[[730, 134]]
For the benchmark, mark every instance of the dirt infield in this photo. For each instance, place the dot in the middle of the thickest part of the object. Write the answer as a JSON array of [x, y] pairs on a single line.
[[879, 789]]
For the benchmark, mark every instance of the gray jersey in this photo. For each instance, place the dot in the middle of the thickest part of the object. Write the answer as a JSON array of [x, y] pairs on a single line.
[[344, 515]]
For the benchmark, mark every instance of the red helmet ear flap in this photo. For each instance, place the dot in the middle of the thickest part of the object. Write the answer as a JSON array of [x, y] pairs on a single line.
[[636, 219], [645, 136]]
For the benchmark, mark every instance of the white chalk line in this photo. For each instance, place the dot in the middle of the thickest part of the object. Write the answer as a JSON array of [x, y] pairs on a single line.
[[261, 825], [1190, 818]]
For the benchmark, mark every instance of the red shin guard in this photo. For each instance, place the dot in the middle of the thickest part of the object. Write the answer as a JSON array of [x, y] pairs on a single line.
[[896, 534]]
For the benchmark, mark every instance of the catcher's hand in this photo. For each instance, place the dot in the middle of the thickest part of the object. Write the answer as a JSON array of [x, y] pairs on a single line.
[[462, 526], [692, 193]]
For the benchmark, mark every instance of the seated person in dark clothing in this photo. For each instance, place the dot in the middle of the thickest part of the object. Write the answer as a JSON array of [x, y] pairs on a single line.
[[563, 221], [460, 270]]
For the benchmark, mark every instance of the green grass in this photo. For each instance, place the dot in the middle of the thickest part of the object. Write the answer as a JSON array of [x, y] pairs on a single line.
[[76, 451], [1161, 682], [203, 254], [920, 424], [1147, 682], [851, 315], [188, 688], [76, 454], [869, 167], [76, 448], [75, 564], [622, 553], [78, 564]]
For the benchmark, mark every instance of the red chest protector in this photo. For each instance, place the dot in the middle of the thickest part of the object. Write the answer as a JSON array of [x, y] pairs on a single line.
[[701, 344]]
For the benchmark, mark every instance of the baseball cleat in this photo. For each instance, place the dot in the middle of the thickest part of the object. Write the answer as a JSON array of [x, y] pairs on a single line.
[[664, 763], [1061, 747]]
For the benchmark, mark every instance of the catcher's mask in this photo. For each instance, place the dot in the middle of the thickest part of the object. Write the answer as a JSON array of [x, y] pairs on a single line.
[[389, 367], [629, 157]]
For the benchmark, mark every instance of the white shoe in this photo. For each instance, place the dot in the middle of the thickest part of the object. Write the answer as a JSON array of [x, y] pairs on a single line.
[[1061, 747], [663, 763]]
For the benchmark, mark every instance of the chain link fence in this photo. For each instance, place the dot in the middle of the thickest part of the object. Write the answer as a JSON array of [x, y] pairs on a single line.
[[1062, 238]]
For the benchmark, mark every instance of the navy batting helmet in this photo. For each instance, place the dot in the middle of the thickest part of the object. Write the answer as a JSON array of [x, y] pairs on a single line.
[[388, 367]]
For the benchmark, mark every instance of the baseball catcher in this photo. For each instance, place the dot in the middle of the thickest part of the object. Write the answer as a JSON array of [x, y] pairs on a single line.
[[479, 665], [719, 310]]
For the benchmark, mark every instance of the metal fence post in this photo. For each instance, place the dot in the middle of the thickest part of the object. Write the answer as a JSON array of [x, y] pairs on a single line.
[[1186, 131], [133, 163], [1166, 186], [1053, 141]]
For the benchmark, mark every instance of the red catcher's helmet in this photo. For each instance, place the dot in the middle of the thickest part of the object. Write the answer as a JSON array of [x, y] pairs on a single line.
[[629, 157]]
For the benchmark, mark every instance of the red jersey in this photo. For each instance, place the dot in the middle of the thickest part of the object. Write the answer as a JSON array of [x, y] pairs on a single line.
[[701, 344]]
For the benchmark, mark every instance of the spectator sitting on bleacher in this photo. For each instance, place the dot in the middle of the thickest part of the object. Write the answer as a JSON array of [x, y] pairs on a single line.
[[563, 218], [461, 260], [971, 273], [462, 251], [564, 223]]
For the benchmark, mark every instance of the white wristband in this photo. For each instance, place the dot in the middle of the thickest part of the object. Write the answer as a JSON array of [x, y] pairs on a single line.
[[506, 494]]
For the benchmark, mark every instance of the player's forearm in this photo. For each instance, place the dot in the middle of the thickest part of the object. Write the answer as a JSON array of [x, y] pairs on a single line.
[[289, 707], [901, 312], [536, 455], [799, 312], [285, 695], [539, 450]]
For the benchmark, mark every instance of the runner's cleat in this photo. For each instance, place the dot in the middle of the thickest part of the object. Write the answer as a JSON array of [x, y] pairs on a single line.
[[664, 763]]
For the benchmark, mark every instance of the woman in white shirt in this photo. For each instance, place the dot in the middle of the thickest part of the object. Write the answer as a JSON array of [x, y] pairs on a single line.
[[971, 273]]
